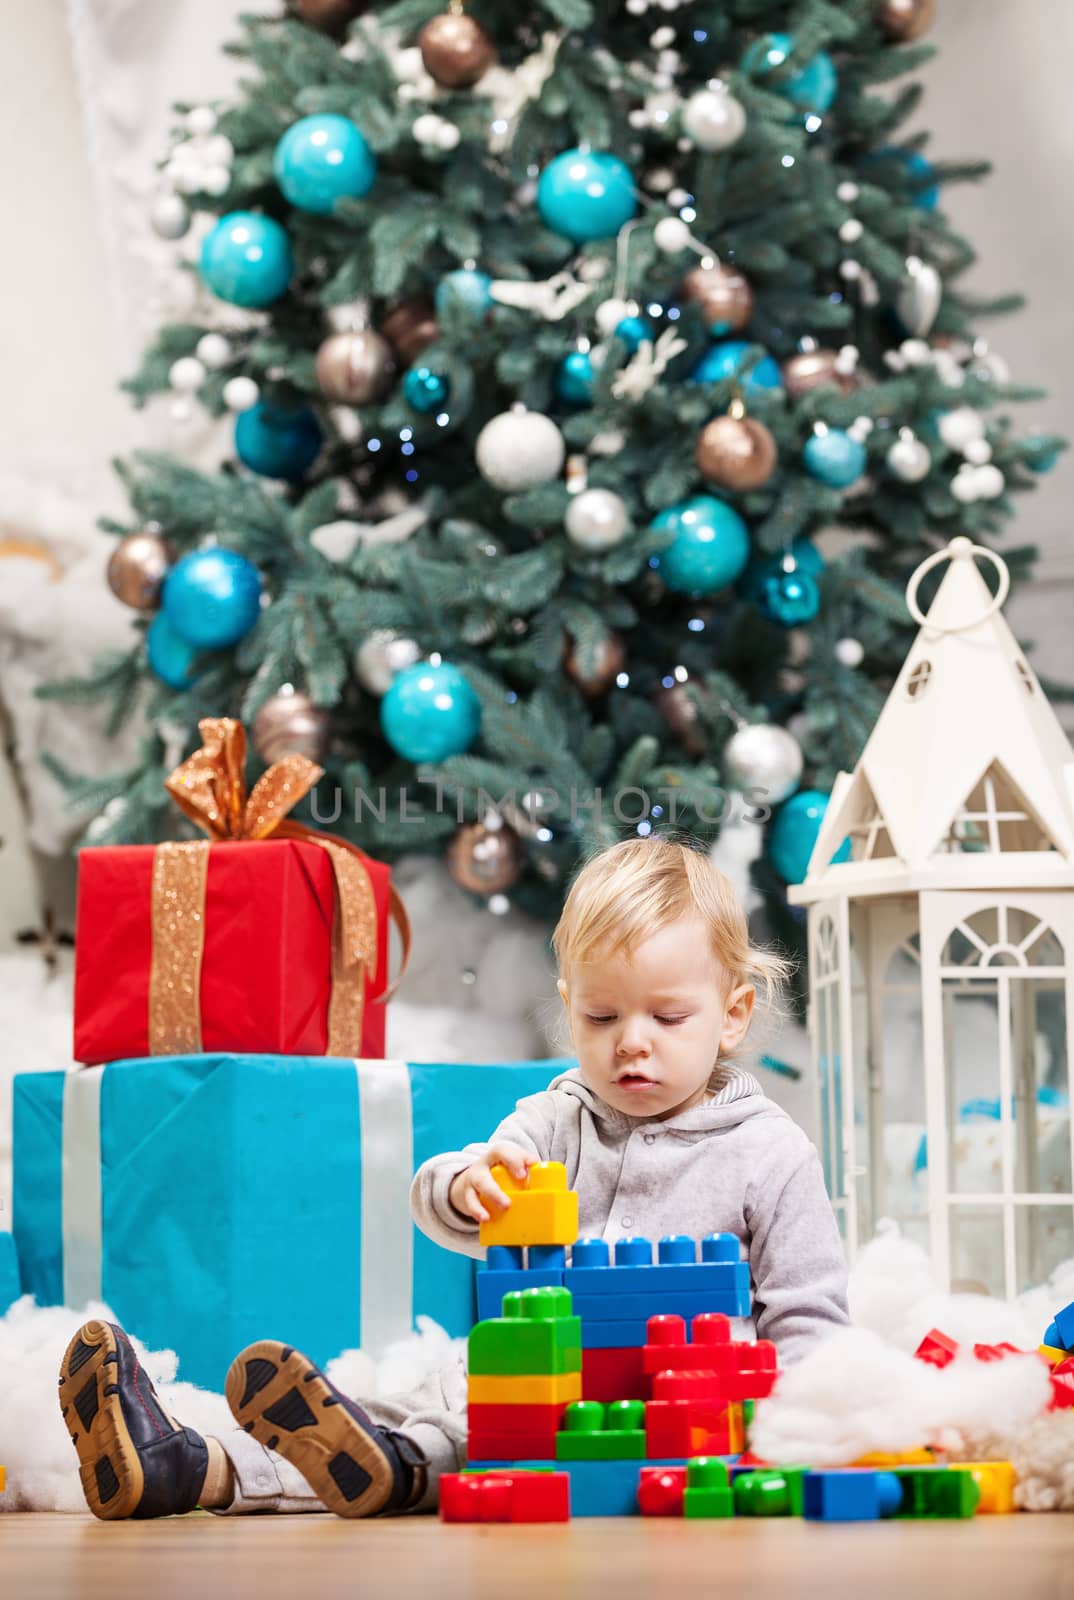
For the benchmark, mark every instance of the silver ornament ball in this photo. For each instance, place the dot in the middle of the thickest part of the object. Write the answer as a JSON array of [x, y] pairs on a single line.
[[170, 217], [763, 757], [713, 119], [381, 657], [213, 350], [849, 652], [519, 449], [908, 459], [596, 520], [240, 394]]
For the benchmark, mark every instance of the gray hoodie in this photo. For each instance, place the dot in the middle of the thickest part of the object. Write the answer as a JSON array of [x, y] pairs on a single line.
[[734, 1164]]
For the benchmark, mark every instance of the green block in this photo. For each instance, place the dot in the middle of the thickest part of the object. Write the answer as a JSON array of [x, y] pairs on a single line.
[[708, 1503], [618, 1444], [524, 1347], [936, 1492], [769, 1492]]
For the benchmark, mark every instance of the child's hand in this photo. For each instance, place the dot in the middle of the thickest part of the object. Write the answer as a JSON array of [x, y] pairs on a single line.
[[475, 1189]]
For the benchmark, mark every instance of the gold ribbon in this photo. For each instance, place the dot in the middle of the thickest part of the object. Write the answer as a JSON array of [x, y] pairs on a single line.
[[210, 787]]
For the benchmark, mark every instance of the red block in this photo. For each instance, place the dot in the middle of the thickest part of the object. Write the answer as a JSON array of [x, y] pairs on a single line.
[[515, 1433], [692, 1428], [936, 1348], [1062, 1377], [996, 1352], [266, 971], [504, 1496], [609, 1375], [661, 1491]]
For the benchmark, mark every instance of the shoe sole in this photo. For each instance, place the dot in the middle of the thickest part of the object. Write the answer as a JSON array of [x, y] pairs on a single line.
[[280, 1398], [108, 1463]]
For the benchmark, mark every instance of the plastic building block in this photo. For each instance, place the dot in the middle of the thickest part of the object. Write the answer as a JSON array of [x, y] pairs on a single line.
[[724, 1280], [598, 1488], [936, 1492], [692, 1428], [661, 1491], [997, 1352], [995, 1480], [1062, 1385], [769, 1492], [505, 1496], [936, 1348], [593, 1432], [676, 1269], [1052, 1355], [536, 1335], [612, 1335], [896, 1458], [1053, 1337], [3, 1479], [708, 1492], [614, 1374], [512, 1431], [543, 1211], [1063, 1325], [496, 1389], [850, 1495], [747, 1370], [494, 1283]]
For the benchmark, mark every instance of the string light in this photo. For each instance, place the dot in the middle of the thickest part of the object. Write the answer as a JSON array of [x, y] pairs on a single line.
[[372, 445], [813, 122], [696, 624], [442, 420], [788, 161], [412, 475], [406, 433], [667, 683], [622, 679], [645, 829], [544, 835], [681, 674]]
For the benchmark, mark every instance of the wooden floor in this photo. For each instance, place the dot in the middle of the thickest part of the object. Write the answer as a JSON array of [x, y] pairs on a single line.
[[306, 1557]]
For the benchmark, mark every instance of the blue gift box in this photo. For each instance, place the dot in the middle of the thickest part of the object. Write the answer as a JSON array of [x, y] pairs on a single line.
[[9, 1272], [212, 1200]]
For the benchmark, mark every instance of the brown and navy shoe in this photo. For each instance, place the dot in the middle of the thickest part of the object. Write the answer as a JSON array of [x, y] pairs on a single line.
[[133, 1458], [287, 1404]]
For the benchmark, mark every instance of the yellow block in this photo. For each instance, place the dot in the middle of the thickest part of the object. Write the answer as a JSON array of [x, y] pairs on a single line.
[[3, 1480], [496, 1390], [996, 1481], [882, 1460], [542, 1210], [1053, 1355]]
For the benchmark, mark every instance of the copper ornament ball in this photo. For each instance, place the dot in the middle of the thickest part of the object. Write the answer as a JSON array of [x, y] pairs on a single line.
[[736, 453], [905, 20], [137, 568], [810, 369], [611, 658], [456, 50], [485, 860], [679, 710], [290, 724], [331, 16], [411, 328], [355, 367], [723, 295]]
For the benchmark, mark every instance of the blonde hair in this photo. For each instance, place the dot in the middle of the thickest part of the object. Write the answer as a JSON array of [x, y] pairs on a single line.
[[631, 890]]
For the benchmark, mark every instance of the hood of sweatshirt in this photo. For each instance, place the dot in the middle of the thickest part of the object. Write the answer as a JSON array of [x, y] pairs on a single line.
[[738, 1099]]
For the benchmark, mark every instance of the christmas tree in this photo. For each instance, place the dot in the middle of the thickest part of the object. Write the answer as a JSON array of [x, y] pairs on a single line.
[[551, 336]]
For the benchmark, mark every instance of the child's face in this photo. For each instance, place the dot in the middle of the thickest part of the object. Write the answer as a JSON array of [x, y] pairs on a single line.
[[647, 1030]]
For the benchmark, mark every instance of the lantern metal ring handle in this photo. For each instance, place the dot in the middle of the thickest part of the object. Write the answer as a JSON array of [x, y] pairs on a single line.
[[959, 549]]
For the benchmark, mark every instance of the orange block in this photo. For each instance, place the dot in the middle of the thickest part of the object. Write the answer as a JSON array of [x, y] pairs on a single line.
[[538, 1390], [996, 1481], [542, 1210]]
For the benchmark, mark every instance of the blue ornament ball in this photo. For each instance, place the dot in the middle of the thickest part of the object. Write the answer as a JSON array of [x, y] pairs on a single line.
[[430, 712], [277, 441], [425, 390], [633, 332], [794, 832], [575, 379], [835, 457], [916, 167], [170, 657], [790, 598], [464, 289], [212, 597], [1041, 453], [322, 159], [807, 558], [246, 259], [728, 360], [809, 88], [586, 194], [710, 548]]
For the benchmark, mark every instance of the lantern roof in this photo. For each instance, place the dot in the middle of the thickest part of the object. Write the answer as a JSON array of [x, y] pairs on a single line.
[[967, 779]]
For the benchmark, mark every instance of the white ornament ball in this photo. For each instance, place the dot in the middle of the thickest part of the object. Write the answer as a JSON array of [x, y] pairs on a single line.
[[763, 756], [660, 180], [610, 313], [978, 452], [181, 411], [908, 459], [240, 394], [678, 198], [964, 485], [170, 216], [915, 352], [447, 136], [637, 8], [849, 652], [990, 482], [218, 151], [187, 374], [381, 657], [956, 428], [596, 520], [851, 231], [671, 235], [190, 179], [850, 270], [609, 442], [201, 121], [848, 192], [216, 180], [519, 450], [426, 127], [713, 119], [663, 38], [213, 350]]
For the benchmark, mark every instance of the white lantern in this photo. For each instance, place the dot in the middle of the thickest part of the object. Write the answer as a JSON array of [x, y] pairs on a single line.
[[941, 954]]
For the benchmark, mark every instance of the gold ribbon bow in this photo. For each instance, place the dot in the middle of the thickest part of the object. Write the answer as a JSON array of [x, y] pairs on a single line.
[[210, 787]]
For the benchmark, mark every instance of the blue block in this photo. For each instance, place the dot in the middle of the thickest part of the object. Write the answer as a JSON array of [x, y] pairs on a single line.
[[1064, 1321], [732, 1298], [711, 1276], [546, 1257], [9, 1272], [853, 1495], [492, 1286], [598, 1488], [612, 1335], [1052, 1338]]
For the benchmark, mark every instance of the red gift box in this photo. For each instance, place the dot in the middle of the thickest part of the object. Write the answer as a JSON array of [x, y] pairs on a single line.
[[266, 970], [267, 938]]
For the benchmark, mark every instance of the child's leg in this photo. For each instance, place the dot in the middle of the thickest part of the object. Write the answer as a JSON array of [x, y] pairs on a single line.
[[433, 1416]]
